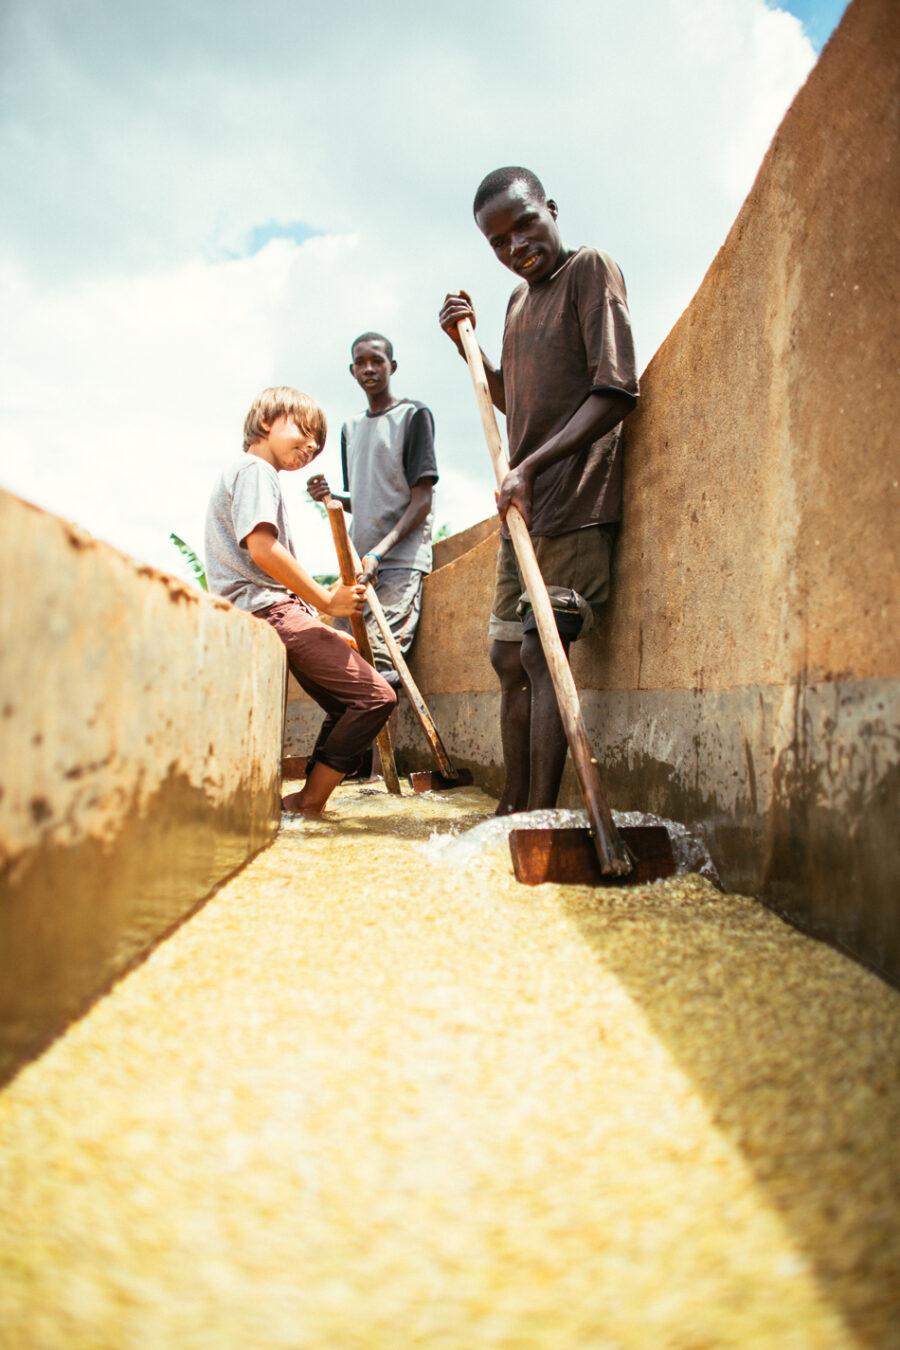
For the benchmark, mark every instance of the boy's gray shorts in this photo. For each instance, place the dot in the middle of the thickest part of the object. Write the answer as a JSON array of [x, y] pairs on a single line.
[[575, 567], [399, 590]]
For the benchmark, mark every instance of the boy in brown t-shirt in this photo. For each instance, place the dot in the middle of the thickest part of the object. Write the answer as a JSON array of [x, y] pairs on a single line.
[[567, 379]]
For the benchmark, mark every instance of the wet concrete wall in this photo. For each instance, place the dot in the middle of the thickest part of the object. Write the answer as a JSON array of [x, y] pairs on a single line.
[[140, 742], [747, 677]]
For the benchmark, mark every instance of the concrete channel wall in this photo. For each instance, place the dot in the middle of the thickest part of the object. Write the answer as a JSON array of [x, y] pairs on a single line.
[[140, 743], [746, 679]]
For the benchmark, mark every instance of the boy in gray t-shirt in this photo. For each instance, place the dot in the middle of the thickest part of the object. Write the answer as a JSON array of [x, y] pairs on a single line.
[[389, 468], [250, 560]]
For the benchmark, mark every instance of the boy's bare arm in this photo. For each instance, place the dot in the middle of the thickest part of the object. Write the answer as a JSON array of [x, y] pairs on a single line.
[[420, 503], [454, 308], [597, 415], [340, 601]]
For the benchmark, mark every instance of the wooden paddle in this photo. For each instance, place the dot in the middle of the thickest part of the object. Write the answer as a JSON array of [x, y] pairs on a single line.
[[358, 624], [424, 781], [612, 853]]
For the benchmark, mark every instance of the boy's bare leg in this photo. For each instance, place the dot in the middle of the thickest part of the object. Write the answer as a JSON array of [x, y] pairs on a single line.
[[548, 738], [515, 725], [311, 799]]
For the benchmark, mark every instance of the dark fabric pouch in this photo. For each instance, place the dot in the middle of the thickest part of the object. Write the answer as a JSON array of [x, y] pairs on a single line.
[[568, 622]]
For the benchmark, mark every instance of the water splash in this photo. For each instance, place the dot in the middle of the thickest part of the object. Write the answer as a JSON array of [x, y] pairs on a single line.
[[459, 848], [688, 846]]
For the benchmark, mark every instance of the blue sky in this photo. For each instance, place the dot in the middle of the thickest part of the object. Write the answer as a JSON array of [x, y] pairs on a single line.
[[260, 235], [202, 200], [819, 18]]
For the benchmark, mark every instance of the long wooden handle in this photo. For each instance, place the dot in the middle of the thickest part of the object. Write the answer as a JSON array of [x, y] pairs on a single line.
[[611, 850], [416, 700], [358, 624]]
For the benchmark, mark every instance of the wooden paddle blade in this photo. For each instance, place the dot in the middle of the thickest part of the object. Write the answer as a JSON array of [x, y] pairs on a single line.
[[568, 856], [432, 781]]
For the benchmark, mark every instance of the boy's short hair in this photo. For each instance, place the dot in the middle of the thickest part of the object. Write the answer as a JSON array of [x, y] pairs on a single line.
[[500, 180], [373, 337], [283, 401]]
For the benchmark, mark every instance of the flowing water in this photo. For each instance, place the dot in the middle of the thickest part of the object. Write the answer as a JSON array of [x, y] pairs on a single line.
[[376, 1094]]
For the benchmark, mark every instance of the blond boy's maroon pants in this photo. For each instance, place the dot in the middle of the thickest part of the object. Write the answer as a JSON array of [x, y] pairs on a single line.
[[356, 700]]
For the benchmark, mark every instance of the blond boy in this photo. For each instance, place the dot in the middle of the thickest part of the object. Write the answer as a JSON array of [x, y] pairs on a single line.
[[251, 561]]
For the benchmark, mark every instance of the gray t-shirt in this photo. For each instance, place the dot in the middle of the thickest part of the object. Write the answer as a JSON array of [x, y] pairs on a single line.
[[247, 494], [384, 455]]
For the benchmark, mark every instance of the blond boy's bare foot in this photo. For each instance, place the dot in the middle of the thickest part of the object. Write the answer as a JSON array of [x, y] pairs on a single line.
[[294, 805], [311, 799]]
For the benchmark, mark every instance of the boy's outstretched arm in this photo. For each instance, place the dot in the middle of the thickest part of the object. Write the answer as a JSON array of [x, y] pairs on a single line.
[[597, 415], [454, 308], [340, 601], [421, 499]]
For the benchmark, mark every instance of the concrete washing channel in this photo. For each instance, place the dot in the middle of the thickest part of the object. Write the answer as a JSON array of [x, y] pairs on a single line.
[[276, 1083], [375, 1093]]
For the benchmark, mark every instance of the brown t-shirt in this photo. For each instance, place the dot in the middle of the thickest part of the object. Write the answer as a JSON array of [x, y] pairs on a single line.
[[565, 338]]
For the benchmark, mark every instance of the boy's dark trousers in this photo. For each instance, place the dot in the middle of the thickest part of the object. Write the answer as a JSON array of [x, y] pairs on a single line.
[[355, 698]]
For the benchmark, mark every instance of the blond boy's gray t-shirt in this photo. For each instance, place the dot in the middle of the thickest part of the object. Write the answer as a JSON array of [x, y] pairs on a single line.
[[247, 494]]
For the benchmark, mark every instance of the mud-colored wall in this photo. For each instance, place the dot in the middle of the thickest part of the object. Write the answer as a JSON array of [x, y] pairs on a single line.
[[448, 550], [140, 745], [746, 678], [302, 720]]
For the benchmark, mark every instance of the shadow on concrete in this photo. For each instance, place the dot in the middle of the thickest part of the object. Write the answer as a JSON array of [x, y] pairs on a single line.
[[796, 1051]]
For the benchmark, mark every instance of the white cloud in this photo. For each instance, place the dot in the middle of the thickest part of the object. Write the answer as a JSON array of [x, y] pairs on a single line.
[[142, 145]]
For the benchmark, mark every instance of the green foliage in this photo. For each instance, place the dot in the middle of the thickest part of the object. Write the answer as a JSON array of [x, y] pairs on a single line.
[[325, 580], [443, 532], [191, 559]]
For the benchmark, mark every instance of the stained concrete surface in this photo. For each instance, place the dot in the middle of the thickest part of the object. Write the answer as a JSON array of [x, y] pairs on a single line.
[[141, 727]]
